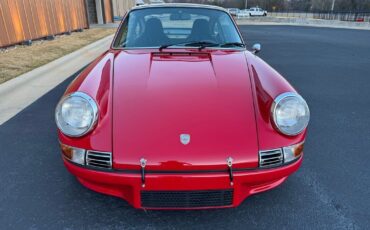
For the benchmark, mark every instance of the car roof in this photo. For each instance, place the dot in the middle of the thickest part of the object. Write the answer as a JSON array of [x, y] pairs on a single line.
[[176, 5]]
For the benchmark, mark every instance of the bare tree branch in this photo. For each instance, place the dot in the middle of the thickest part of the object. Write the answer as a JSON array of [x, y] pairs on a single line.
[[281, 5]]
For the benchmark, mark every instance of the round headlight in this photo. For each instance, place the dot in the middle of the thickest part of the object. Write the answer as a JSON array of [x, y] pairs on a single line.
[[290, 113], [76, 114]]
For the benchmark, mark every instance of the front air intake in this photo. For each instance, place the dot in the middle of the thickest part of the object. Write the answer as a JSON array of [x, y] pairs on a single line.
[[186, 199], [99, 159], [271, 158]]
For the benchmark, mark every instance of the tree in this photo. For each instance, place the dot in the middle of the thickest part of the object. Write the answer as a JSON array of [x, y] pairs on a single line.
[[281, 5], [324, 5]]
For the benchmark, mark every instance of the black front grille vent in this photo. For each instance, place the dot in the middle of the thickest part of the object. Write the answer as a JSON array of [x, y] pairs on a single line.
[[271, 158], [186, 199], [99, 159]]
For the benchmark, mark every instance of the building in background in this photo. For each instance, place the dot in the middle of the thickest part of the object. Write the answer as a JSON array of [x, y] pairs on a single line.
[[121, 7], [240, 4], [22, 21], [156, 1], [27, 20], [140, 2], [104, 11]]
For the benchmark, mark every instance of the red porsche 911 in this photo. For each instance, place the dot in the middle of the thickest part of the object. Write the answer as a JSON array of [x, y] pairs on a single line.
[[178, 114]]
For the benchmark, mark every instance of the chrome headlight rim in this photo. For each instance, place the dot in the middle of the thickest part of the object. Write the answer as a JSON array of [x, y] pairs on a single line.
[[274, 106], [91, 102]]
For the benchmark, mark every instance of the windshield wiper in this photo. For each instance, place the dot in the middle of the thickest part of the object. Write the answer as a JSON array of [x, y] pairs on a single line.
[[200, 44], [203, 44], [228, 44]]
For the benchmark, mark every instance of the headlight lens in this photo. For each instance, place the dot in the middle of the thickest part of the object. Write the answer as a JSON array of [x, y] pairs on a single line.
[[76, 114], [290, 113]]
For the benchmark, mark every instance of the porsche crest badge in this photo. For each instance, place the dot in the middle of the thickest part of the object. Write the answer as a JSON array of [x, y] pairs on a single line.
[[185, 139]]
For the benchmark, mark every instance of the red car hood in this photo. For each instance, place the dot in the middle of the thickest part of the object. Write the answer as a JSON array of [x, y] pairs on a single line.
[[159, 96]]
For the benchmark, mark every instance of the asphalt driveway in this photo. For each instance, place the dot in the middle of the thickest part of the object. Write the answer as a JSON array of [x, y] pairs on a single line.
[[329, 67]]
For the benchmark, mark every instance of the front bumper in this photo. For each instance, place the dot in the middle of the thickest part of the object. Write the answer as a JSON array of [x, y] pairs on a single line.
[[128, 186]]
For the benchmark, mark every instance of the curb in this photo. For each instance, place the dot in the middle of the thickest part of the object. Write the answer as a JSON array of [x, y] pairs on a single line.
[[18, 93]]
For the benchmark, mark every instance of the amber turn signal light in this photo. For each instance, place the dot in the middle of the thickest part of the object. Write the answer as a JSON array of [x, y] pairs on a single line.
[[76, 155], [293, 152]]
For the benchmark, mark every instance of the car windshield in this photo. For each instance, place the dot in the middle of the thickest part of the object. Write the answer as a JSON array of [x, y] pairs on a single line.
[[162, 27]]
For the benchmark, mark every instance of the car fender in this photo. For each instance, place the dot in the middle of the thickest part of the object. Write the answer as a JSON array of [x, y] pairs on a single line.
[[267, 84], [96, 80]]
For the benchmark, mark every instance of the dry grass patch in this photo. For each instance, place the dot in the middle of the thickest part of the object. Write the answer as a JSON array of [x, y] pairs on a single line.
[[21, 59]]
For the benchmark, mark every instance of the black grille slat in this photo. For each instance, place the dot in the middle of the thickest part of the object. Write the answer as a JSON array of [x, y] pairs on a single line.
[[267, 161], [271, 163], [271, 155], [93, 162], [99, 154], [186, 199], [100, 160]]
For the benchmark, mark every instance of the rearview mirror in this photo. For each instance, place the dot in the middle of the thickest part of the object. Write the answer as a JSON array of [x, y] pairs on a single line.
[[256, 48]]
